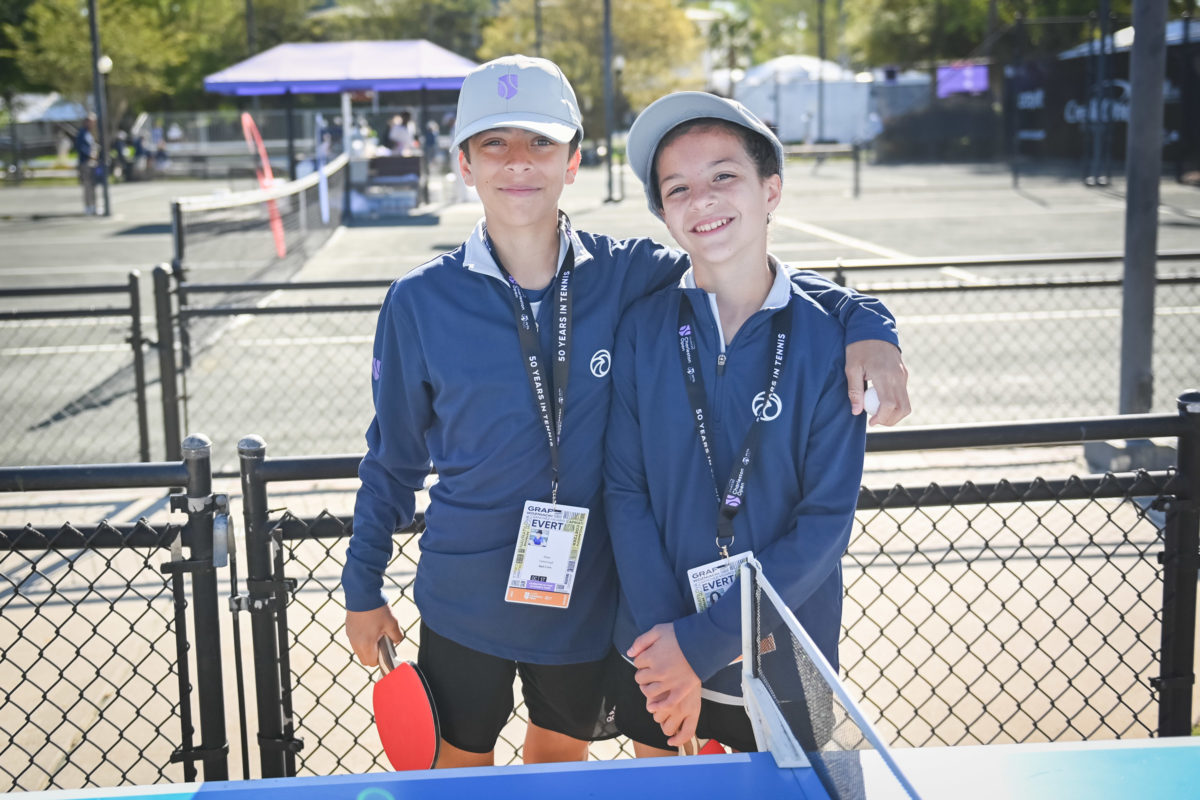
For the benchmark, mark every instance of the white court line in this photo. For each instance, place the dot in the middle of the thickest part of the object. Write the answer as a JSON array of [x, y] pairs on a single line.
[[1038, 316], [308, 340], [77, 349], [77, 269], [833, 236], [86, 322], [797, 247], [961, 274]]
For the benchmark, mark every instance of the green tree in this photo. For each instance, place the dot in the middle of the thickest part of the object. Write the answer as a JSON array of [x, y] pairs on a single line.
[[660, 45], [52, 48], [911, 33], [453, 24], [735, 40], [12, 79]]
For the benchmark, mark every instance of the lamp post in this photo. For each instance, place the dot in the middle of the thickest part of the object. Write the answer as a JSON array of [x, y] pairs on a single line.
[[618, 65], [101, 66], [608, 97], [537, 28], [820, 71]]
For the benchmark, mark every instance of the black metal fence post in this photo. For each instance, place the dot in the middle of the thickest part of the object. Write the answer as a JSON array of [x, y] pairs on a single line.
[[1180, 560], [252, 450], [166, 363], [197, 455], [857, 154], [139, 364]]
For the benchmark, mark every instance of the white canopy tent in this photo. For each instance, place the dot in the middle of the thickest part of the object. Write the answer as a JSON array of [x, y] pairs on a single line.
[[787, 91]]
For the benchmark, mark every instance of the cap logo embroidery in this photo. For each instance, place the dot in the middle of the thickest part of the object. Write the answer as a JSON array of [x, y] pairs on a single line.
[[506, 87]]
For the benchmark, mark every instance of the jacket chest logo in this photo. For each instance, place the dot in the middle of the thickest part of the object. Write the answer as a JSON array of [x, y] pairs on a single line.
[[601, 363], [766, 411]]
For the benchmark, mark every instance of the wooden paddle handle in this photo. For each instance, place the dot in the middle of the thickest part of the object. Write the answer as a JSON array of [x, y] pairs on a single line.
[[387, 655]]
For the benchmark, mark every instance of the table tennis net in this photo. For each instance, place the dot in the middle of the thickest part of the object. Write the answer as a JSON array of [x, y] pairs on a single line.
[[799, 708]]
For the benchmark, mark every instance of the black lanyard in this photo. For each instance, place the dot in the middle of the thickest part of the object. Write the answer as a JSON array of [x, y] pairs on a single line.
[[735, 491], [531, 352]]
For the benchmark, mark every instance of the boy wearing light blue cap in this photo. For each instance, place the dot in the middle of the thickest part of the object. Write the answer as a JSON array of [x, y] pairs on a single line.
[[492, 362], [728, 437]]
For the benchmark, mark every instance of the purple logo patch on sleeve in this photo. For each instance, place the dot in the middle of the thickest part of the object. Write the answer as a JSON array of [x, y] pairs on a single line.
[[376, 368], [685, 330], [506, 87]]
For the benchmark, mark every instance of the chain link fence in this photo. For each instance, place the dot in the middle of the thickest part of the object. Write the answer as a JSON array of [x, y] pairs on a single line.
[[1002, 622], [1022, 613], [1029, 348], [74, 363], [289, 360], [241, 367], [1046, 610], [96, 653], [1034, 348], [89, 668], [1012, 612]]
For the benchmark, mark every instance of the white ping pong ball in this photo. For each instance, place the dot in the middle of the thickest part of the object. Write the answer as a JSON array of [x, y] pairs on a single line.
[[871, 401]]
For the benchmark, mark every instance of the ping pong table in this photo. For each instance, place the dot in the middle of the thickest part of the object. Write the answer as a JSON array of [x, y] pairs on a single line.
[[1147, 768]]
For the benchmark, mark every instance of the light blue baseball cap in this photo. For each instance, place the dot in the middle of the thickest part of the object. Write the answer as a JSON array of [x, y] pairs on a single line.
[[518, 92], [666, 113]]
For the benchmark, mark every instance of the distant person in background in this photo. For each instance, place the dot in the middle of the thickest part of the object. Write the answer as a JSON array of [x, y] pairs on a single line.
[[66, 142], [402, 135], [871, 130], [430, 143], [141, 156], [87, 151], [123, 168]]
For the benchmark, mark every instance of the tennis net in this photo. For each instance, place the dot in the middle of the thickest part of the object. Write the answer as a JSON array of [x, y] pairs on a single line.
[[259, 234], [799, 708]]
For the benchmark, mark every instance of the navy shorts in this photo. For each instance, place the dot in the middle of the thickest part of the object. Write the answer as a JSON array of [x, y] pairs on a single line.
[[473, 692]]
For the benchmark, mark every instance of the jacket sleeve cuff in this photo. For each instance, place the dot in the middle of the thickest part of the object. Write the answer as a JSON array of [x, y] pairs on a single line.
[[706, 646], [363, 588], [862, 327]]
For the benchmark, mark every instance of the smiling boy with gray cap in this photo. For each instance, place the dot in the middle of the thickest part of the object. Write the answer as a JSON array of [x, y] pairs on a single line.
[[492, 362]]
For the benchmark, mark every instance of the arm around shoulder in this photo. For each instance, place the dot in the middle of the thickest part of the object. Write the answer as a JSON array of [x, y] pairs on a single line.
[[872, 346]]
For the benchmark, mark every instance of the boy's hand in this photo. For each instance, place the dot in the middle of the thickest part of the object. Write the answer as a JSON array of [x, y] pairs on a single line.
[[679, 722], [880, 363], [363, 629], [667, 680]]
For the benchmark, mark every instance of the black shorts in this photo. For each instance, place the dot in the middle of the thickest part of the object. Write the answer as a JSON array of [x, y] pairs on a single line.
[[473, 693], [726, 723]]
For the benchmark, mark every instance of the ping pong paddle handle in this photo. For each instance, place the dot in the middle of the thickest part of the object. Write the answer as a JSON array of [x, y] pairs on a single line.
[[387, 655]]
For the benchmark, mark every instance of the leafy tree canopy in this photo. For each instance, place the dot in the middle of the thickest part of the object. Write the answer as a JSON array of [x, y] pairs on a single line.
[[658, 42]]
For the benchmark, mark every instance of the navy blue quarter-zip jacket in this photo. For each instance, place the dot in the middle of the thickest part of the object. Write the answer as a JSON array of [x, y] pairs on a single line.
[[450, 387], [801, 489]]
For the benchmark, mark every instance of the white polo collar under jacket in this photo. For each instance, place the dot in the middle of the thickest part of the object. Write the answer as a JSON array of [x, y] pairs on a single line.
[[777, 297], [477, 256]]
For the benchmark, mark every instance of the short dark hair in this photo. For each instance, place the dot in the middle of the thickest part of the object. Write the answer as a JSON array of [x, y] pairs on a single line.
[[576, 140], [761, 151]]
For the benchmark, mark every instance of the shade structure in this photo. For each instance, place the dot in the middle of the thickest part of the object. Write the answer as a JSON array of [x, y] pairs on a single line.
[[332, 67]]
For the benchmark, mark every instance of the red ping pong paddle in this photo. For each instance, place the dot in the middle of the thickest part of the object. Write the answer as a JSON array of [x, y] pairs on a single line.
[[404, 713]]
